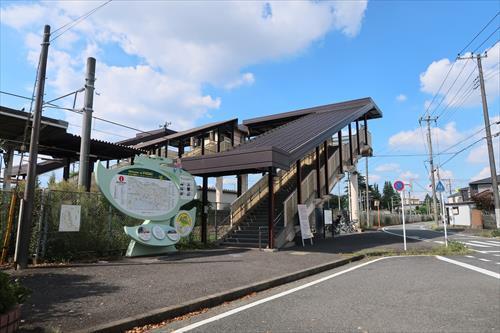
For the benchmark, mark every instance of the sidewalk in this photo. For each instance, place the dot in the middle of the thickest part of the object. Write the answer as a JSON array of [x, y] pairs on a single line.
[[83, 297]]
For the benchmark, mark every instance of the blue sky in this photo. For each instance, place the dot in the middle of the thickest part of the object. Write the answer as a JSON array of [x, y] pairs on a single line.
[[193, 63]]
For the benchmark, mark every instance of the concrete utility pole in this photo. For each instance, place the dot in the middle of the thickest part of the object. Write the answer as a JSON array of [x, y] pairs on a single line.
[[24, 227], [491, 154], [428, 119], [83, 173]]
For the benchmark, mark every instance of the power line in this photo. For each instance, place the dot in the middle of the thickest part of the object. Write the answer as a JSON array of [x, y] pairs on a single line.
[[477, 48], [76, 21], [462, 150], [480, 32]]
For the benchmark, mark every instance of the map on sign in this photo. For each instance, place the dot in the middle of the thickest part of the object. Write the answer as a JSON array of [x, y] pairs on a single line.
[[69, 220], [155, 190], [150, 195]]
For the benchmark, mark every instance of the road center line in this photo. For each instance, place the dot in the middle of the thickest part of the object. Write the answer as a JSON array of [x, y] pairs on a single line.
[[270, 298], [474, 268], [411, 237]]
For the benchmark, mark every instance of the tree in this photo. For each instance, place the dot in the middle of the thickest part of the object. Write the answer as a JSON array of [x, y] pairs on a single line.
[[388, 193]]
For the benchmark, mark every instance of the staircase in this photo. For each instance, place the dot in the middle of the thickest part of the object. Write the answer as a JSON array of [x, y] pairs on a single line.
[[249, 211]]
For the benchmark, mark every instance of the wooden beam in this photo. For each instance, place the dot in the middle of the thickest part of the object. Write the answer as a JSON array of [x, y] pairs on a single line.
[[204, 216], [270, 207], [325, 148], [299, 182], [350, 145], [366, 129], [357, 137], [318, 178], [341, 166]]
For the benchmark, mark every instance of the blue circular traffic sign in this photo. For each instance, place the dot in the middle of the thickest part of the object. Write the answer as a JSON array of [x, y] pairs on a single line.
[[399, 185]]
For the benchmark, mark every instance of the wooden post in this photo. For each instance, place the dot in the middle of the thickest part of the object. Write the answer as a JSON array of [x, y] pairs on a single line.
[[270, 207], [318, 179], [341, 158], [350, 145], [202, 145], [366, 130], [66, 169], [218, 139], [357, 137], [204, 203], [299, 182], [325, 148], [238, 185]]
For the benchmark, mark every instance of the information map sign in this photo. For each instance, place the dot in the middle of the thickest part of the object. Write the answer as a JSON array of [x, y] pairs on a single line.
[[154, 189]]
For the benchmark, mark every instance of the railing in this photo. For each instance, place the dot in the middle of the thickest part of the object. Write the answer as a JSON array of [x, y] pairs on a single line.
[[210, 148]]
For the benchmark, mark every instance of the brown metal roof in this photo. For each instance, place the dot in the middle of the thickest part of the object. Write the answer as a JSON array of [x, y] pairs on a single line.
[[282, 146], [261, 125], [54, 140], [201, 129]]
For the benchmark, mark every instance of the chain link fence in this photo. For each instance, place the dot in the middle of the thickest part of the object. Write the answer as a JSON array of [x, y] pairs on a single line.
[[100, 233]]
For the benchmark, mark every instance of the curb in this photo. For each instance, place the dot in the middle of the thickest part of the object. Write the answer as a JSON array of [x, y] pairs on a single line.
[[161, 314]]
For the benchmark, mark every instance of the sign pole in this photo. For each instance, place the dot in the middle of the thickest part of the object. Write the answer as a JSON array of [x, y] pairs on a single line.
[[403, 208], [444, 222], [400, 187]]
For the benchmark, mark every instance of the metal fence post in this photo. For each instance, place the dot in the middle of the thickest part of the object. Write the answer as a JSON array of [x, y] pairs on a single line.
[[40, 225], [260, 237]]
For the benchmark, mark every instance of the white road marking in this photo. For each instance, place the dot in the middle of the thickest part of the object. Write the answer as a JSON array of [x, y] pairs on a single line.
[[482, 259], [497, 255], [474, 268], [483, 243], [494, 242], [439, 242], [470, 257], [478, 245], [411, 237], [490, 251], [270, 298]]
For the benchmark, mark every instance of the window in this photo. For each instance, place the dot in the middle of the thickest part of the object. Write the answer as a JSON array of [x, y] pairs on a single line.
[[455, 211]]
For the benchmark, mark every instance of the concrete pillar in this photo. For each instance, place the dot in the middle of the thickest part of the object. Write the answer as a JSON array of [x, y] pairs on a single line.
[[353, 196], [270, 208], [219, 185]]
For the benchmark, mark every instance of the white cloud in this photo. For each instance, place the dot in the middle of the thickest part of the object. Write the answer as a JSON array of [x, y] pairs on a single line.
[[484, 173], [401, 98], [408, 176], [479, 153], [374, 178], [180, 46], [388, 167], [415, 140], [245, 79], [445, 174], [451, 94]]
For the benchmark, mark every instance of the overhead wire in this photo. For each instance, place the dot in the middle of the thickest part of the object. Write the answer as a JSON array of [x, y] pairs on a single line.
[[68, 26], [479, 33]]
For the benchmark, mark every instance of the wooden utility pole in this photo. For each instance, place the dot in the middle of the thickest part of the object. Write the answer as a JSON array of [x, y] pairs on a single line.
[[24, 227], [428, 119]]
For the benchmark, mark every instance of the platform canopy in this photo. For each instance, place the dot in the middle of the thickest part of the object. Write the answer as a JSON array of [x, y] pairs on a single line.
[[55, 141], [284, 139]]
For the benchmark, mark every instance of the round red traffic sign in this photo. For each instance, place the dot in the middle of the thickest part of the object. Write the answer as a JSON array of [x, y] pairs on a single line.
[[399, 185]]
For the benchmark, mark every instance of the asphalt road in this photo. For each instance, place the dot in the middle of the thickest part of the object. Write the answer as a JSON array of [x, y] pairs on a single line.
[[393, 294], [486, 250]]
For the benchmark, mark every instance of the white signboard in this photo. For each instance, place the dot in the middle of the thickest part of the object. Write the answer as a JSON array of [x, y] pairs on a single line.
[[147, 196], [70, 218], [327, 213], [305, 228]]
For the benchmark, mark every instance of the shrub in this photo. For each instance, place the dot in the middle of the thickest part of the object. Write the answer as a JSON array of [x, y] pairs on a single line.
[[11, 293]]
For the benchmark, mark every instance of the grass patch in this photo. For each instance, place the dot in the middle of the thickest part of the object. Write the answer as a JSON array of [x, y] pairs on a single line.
[[453, 248]]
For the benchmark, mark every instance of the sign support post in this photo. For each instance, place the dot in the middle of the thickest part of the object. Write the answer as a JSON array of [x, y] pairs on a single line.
[[440, 188], [400, 187]]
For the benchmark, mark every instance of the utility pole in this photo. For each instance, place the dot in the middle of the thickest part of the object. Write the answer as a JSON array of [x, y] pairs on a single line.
[[83, 173], [491, 154], [24, 227], [428, 119]]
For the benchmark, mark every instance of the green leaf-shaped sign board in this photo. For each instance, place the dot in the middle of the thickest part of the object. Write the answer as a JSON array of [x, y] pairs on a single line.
[[155, 190]]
